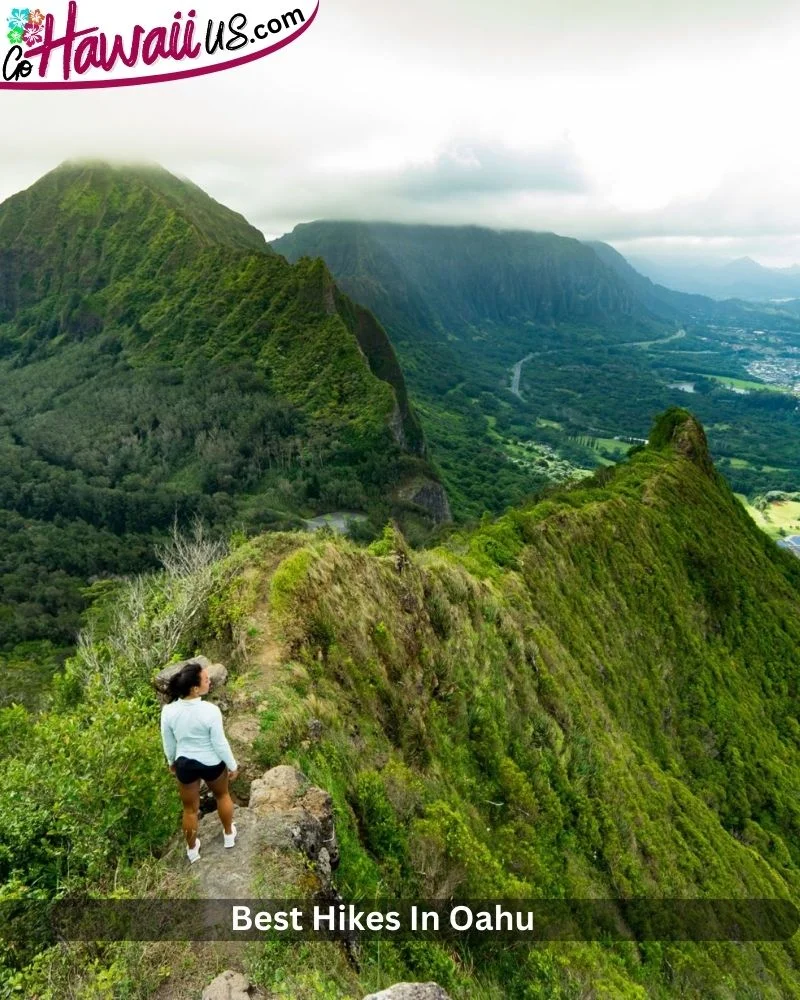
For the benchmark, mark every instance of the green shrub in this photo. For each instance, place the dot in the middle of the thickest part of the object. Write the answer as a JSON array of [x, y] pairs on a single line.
[[382, 833], [86, 793]]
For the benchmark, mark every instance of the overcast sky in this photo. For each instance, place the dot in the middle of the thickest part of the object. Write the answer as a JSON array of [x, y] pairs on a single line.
[[658, 131]]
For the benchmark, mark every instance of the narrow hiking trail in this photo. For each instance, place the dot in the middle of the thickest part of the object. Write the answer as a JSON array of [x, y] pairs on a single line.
[[238, 872], [286, 846]]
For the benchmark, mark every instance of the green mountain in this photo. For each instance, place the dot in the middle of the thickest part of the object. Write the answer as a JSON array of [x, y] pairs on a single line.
[[519, 346], [742, 278], [158, 360], [594, 696], [462, 305], [462, 278]]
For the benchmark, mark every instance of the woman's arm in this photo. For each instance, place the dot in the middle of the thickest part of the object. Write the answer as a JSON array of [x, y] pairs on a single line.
[[219, 741], [167, 738]]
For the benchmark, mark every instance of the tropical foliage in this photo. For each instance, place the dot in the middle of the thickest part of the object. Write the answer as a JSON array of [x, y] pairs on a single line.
[[592, 696]]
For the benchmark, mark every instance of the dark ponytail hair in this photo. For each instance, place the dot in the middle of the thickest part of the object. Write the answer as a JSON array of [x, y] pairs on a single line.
[[186, 678]]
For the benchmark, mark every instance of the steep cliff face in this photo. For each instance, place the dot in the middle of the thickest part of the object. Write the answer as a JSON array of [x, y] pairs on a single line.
[[462, 306], [459, 278], [384, 365]]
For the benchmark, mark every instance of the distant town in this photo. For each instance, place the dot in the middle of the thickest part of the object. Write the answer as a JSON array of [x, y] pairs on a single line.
[[784, 372]]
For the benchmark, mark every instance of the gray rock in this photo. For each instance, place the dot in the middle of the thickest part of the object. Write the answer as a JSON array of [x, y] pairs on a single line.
[[228, 985], [411, 991], [225, 873], [431, 496], [397, 426], [216, 672], [324, 865], [295, 813], [286, 813]]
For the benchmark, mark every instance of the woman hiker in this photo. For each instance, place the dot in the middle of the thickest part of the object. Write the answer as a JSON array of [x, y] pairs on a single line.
[[196, 747]]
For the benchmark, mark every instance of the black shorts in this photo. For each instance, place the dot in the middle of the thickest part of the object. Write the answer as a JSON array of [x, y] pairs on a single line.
[[188, 770]]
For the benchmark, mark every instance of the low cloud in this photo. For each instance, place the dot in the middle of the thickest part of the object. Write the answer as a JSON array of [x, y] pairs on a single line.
[[618, 122], [482, 168]]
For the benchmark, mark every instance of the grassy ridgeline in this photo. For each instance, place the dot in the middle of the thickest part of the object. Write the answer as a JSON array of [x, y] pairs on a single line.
[[595, 696]]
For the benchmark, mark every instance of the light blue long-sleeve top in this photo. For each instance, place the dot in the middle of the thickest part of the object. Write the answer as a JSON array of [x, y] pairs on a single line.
[[191, 727]]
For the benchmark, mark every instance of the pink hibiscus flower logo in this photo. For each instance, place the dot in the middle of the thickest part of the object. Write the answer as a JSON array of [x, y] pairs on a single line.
[[33, 34]]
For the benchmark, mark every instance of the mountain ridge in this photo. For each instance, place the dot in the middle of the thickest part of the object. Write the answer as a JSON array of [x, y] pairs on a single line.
[[593, 696], [157, 359], [741, 278], [569, 279]]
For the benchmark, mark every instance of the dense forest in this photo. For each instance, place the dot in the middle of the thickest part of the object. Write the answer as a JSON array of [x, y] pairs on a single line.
[[158, 363]]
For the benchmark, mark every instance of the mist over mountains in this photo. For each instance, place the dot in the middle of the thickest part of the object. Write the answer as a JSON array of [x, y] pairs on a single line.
[[742, 278]]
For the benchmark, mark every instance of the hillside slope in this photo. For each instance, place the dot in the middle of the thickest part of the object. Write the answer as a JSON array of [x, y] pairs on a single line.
[[157, 359], [593, 696], [462, 305], [661, 301], [518, 344]]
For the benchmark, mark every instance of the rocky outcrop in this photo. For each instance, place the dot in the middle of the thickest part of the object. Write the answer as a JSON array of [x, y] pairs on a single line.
[[216, 672], [286, 815], [396, 425], [295, 813], [431, 496], [680, 429], [411, 991], [228, 985]]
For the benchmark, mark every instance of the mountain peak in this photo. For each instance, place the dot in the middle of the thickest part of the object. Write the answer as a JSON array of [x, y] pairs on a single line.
[[744, 265], [100, 191], [684, 432], [81, 164]]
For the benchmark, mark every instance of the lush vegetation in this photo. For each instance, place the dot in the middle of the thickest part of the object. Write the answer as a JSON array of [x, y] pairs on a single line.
[[609, 351], [157, 360], [594, 695]]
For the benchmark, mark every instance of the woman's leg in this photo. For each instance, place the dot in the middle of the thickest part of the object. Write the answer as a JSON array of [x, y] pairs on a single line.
[[190, 797], [219, 788]]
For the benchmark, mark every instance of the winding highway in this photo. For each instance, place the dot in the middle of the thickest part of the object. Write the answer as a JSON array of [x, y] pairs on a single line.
[[517, 375]]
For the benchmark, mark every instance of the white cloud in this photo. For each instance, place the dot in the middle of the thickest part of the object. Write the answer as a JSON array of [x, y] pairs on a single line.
[[623, 121]]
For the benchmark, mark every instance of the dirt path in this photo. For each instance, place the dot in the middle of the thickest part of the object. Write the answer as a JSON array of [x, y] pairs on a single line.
[[221, 873]]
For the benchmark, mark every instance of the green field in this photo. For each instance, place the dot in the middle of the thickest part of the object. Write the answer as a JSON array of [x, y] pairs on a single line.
[[743, 383], [782, 515], [612, 445]]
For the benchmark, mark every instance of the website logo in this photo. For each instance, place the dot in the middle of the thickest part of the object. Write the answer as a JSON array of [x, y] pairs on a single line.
[[92, 47]]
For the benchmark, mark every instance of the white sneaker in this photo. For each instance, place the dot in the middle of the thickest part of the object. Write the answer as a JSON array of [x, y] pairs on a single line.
[[193, 853], [230, 838]]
